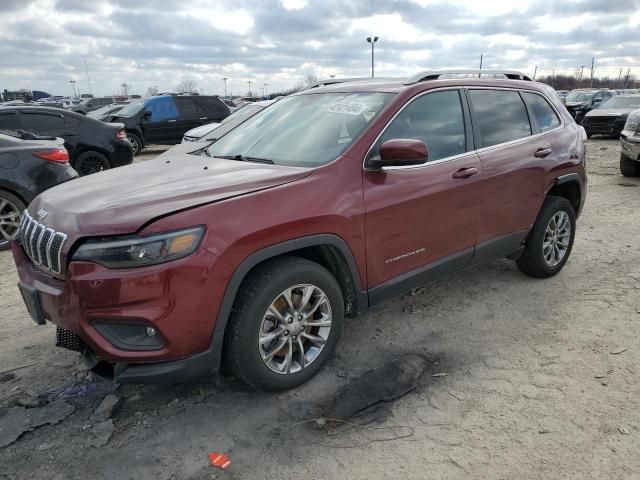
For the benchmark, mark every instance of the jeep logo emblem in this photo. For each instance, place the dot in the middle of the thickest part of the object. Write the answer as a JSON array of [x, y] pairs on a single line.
[[42, 213]]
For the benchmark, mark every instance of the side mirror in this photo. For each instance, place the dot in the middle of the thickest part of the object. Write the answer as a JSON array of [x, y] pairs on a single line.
[[401, 152], [146, 115], [597, 101]]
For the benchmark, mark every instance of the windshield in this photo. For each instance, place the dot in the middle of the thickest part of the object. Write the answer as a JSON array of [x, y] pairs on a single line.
[[100, 111], [246, 111], [132, 109], [580, 97], [305, 130], [622, 102]]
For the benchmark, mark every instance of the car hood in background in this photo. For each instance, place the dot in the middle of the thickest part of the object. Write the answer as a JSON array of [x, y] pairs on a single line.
[[610, 112], [202, 130], [124, 199]]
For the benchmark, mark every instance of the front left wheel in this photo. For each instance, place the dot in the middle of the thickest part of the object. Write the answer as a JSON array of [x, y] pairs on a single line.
[[285, 324], [11, 208]]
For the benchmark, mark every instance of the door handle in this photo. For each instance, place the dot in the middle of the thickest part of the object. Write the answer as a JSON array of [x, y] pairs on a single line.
[[465, 172], [203, 118], [171, 121], [542, 152]]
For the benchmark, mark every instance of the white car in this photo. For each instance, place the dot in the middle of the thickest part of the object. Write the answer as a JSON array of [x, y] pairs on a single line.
[[630, 143]]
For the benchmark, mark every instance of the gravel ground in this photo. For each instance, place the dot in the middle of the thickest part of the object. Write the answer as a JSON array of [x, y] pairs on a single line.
[[537, 385]]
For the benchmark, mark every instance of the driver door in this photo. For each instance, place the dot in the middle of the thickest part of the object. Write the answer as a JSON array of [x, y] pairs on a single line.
[[421, 221]]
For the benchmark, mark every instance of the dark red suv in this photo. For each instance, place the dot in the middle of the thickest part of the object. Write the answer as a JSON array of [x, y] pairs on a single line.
[[320, 206]]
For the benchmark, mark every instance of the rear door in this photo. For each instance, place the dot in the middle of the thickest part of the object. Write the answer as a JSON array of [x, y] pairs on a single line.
[[514, 154], [213, 109], [189, 115], [421, 221], [160, 125]]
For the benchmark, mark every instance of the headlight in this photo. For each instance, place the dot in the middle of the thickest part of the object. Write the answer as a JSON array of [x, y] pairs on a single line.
[[135, 251]]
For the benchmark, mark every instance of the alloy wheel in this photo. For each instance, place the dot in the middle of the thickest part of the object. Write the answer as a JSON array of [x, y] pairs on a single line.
[[556, 240], [9, 221], [295, 329], [134, 144], [92, 164]]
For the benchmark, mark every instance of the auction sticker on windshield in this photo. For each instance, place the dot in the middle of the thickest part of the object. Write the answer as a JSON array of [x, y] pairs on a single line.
[[348, 108]]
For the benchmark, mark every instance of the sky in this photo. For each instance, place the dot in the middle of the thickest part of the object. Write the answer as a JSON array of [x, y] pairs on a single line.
[[147, 43]]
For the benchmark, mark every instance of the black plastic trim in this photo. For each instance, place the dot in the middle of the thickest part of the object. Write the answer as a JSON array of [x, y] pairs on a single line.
[[569, 177], [502, 246]]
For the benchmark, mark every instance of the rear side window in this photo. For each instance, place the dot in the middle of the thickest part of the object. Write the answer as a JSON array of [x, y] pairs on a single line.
[[8, 121], [161, 108], [544, 114], [436, 119], [39, 122], [213, 106], [501, 116], [187, 107]]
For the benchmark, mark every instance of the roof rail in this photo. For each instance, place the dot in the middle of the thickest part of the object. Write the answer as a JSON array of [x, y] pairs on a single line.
[[437, 74], [333, 81]]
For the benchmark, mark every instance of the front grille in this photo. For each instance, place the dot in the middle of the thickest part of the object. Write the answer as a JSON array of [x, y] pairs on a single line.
[[602, 121], [69, 340], [41, 244]]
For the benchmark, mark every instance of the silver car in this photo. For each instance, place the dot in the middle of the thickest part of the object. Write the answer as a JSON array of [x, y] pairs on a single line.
[[630, 141]]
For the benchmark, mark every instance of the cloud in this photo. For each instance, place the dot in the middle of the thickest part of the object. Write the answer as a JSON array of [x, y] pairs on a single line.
[[161, 42]]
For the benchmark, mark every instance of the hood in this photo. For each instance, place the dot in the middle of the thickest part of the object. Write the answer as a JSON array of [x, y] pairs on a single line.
[[122, 200], [610, 112], [202, 130]]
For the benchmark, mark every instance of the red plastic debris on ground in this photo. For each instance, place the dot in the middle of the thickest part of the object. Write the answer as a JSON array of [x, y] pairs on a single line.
[[219, 460]]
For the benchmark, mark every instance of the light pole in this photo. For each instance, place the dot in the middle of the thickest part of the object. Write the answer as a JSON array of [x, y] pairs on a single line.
[[372, 41], [73, 84], [224, 79], [534, 72], [481, 57], [266, 91], [249, 82], [124, 88], [581, 72], [332, 76]]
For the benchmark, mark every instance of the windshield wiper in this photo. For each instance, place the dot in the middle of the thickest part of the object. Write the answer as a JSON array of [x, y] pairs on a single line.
[[242, 158]]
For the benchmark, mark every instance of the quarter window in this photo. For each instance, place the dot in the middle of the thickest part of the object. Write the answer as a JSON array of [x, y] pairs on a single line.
[[544, 114], [436, 119], [42, 123], [8, 121], [500, 115]]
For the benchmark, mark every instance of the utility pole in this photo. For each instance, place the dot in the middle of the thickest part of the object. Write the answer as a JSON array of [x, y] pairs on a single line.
[[86, 69], [124, 89], [535, 71], [266, 85], [626, 78], [372, 41], [224, 79], [73, 84], [619, 77], [553, 77], [480, 72], [593, 59], [249, 82], [581, 72]]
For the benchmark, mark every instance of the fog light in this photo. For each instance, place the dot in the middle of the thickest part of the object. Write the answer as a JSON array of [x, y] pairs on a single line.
[[150, 331]]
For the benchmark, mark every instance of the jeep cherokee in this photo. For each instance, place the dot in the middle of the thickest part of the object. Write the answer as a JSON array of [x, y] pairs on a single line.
[[328, 202]]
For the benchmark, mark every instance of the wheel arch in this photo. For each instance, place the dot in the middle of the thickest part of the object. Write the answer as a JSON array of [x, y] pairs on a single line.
[[328, 250], [568, 186]]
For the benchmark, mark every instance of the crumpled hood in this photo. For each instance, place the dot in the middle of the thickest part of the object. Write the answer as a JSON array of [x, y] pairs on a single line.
[[123, 199], [610, 112]]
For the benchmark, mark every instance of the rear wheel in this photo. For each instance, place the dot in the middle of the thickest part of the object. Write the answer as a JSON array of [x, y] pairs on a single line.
[[11, 208], [136, 143], [91, 162], [550, 242], [285, 324], [628, 167]]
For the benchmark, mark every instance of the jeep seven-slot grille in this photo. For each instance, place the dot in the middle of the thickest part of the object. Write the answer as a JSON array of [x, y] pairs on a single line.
[[41, 244]]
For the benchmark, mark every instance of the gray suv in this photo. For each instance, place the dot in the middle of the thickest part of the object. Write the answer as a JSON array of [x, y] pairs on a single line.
[[90, 104], [630, 142]]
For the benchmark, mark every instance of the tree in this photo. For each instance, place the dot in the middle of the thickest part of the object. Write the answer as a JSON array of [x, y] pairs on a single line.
[[187, 86], [310, 79], [151, 92]]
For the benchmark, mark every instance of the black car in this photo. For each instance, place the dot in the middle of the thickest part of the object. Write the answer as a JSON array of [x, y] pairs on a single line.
[[90, 104], [105, 114], [29, 165], [609, 118], [579, 102], [164, 119], [93, 145]]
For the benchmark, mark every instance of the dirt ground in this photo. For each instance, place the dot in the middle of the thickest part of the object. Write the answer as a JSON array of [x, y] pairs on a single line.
[[537, 384]]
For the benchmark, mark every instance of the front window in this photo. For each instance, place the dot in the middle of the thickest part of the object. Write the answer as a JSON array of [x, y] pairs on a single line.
[[579, 97], [304, 130], [622, 102], [132, 109]]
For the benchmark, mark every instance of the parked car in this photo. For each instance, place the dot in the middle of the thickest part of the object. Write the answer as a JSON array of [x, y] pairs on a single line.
[[212, 131], [105, 114], [164, 119], [630, 143], [319, 207], [562, 94], [580, 102], [92, 145], [610, 117], [89, 104], [29, 165]]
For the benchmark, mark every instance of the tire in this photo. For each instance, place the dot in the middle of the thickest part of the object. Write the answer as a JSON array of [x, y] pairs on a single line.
[[589, 134], [628, 167], [10, 205], [264, 289], [91, 162], [136, 143], [535, 260]]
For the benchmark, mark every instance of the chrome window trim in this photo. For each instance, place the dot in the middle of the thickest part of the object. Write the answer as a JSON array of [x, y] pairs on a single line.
[[470, 152]]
